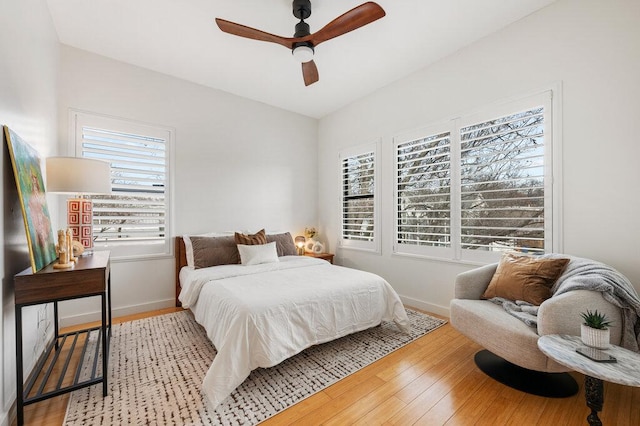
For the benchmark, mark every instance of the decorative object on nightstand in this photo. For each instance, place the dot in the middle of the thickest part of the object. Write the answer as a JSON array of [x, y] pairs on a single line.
[[310, 234], [64, 251], [79, 176], [300, 240], [318, 247], [594, 331]]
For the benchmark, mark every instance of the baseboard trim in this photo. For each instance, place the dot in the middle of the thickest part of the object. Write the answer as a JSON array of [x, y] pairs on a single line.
[[116, 312], [425, 306], [9, 417]]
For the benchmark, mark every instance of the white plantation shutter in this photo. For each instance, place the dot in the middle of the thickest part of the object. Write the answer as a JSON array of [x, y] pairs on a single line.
[[134, 219], [359, 176], [503, 183], [478, 185], [423, 193]]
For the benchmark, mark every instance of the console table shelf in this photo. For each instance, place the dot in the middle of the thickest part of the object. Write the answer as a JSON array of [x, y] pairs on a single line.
[[57, 374], [89, 277]]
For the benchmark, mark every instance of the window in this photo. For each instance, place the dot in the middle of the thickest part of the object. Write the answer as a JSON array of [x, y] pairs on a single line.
[[478, 185], [359, 198], [134, 220], [423, 192], [502, 183]]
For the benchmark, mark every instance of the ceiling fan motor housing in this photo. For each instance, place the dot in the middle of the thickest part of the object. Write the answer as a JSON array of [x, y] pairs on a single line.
[[301, 9], [302, 29]]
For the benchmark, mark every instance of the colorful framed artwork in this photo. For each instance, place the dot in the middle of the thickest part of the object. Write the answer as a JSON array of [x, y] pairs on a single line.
[[33, 200]]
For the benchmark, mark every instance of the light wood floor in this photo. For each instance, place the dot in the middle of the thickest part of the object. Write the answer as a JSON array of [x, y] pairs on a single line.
[[432, 381]]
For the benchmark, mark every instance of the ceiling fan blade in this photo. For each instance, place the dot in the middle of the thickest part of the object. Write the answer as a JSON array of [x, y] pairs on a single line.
[[310, 72], [352, 20], [252, 33]]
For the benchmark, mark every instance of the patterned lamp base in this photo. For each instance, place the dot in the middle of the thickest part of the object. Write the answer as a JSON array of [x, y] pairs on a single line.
[[80, 220]]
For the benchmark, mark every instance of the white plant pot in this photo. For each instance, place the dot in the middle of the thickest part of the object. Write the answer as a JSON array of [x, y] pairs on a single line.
[[594, 337]]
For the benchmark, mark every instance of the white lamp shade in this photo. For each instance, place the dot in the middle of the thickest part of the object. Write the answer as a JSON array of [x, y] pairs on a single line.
[[72, 175]]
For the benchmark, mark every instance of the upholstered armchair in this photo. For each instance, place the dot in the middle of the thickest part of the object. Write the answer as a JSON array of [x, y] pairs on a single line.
[[506, 336]]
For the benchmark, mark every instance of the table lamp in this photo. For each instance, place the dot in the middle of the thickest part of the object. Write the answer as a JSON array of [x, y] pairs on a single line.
[[300, 240], [80, 177]]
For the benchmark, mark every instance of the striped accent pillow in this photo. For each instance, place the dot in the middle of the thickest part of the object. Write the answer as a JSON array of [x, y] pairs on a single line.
[[259, 237]]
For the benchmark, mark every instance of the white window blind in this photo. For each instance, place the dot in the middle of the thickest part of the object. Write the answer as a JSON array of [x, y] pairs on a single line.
[[478, 185], [502, 170], [134, 219], [423, 189], [359, 220]]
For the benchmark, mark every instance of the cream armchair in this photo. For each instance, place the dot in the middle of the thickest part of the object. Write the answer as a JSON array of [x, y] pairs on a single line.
[[507, 337]]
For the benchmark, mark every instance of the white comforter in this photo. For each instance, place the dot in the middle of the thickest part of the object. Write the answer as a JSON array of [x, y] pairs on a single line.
[[258, 316]]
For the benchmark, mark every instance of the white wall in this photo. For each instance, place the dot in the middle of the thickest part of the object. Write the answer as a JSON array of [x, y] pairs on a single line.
[[593, 48], [28, 66], [239, 164]]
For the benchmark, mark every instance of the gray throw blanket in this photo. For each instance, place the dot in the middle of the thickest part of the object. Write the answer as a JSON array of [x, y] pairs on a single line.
[[524, 311], [585, 274]]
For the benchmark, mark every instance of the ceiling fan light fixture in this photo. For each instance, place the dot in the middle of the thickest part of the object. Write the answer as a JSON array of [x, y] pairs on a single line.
[[303, 53]]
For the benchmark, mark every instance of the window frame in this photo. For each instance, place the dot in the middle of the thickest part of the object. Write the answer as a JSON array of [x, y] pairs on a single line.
[[373, 246], [549, 98], [408, 137], [131, 251]]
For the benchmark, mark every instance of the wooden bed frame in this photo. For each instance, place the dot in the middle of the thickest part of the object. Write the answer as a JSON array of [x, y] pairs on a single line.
[[180, 254]]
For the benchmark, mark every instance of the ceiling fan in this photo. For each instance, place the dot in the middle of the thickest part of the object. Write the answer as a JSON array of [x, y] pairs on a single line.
[[303, 43]]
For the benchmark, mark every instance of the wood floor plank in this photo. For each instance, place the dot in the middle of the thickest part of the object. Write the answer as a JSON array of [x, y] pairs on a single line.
[[302, 408], [501, 407], [459, 394], [380, 414], [471, 410], [335, 405], [431, 371], [448, 377]]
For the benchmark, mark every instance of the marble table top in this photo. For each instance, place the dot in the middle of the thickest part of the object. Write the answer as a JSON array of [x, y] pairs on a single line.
[[562, 349]]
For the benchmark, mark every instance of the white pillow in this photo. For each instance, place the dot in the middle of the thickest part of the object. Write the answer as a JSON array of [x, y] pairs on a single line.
[[188, 246], [257, 254]]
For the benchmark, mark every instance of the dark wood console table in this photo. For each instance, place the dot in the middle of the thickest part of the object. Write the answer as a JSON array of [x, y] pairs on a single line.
[[89, 277]]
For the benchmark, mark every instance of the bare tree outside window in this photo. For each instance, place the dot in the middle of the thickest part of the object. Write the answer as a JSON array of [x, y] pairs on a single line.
[[501, 193], [424, 191], [358, 185], [502, 183]]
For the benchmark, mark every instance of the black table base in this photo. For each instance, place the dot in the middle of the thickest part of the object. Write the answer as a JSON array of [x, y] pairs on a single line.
[[551, 385]]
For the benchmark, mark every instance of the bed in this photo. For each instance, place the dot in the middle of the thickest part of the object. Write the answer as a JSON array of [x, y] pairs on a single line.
[[259, 315]]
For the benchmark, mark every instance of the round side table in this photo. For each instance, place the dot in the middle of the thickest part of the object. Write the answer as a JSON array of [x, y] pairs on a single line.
[[626, 371]]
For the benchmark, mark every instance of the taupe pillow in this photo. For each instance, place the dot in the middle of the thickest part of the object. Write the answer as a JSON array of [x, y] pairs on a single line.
[[284, 244], [214, 251], [251, 239], [525, 278]]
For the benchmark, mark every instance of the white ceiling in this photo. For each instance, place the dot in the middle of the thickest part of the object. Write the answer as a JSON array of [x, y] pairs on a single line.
[[180, 38]]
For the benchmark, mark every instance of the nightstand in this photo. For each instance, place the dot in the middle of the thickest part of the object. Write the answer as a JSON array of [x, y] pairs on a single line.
[[89, 277], [326, 256]]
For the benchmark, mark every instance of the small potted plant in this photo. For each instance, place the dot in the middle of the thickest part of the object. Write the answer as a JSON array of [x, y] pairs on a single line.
[[594, 331]]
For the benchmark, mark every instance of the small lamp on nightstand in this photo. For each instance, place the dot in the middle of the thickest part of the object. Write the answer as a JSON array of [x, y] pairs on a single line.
[[300, 240]]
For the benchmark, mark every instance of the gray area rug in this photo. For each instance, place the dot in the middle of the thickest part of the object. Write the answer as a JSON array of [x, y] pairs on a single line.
[[157, 365]]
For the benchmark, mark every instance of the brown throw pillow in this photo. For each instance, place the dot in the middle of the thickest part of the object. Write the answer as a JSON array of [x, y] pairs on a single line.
[[525, 278], [284, 244], [251, 239], [214, 251]]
